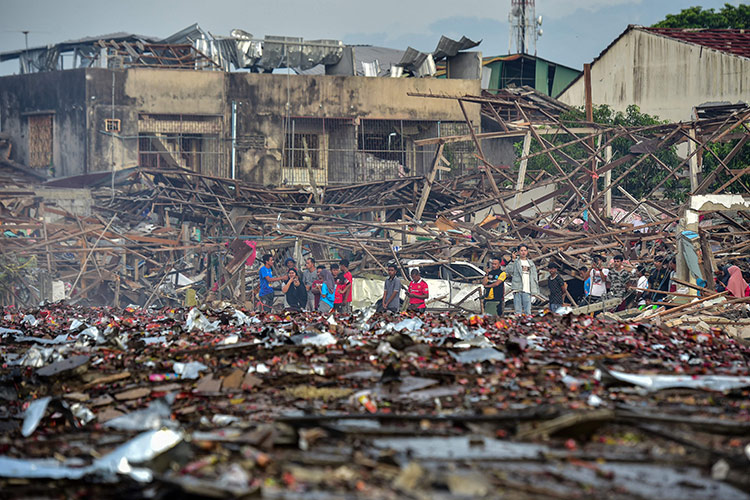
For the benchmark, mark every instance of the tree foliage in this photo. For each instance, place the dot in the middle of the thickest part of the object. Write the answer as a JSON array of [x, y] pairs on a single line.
[[739, 162], [645, 177], [729, 17]]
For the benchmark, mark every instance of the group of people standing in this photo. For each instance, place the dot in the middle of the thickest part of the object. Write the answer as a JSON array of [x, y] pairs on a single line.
[[317, 288], [320, 288], [520, 272], [417, 292], [587, 285]]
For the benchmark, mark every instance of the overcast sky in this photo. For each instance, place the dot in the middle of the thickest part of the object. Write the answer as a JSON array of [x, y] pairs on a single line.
[[575, 31]]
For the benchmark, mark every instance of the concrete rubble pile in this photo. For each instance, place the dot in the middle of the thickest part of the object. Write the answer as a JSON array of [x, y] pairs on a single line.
[[219, 402]]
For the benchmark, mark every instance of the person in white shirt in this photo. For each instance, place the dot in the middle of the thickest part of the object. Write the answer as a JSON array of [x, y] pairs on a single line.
[[524, 280], [641, 284], [599, 275]]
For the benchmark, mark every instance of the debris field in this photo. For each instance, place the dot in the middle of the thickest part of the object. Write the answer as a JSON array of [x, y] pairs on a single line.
[[223, 402]]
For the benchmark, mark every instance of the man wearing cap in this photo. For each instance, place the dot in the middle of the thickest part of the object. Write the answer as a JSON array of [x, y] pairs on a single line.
[[493, 281]]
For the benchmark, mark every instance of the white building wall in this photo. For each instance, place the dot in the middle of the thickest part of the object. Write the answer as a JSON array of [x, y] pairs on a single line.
[[663, 76]]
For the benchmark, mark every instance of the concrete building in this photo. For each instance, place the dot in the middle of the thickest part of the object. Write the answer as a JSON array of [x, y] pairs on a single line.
[[271, 129], [666, 71]]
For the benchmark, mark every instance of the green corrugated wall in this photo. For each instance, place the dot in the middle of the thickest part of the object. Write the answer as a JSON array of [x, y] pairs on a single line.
[[563, 77], [542, 73]]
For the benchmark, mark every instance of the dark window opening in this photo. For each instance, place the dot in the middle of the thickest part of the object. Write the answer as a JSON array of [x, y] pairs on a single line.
[[195, 152], [300, 148], [384, 143]]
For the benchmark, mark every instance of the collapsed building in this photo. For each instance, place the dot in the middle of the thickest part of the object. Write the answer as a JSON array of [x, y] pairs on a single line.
[[136, 103], [162, 158], [188, 174]]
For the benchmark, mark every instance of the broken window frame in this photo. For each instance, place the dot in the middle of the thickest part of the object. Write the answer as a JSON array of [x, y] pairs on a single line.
[[183, 131]]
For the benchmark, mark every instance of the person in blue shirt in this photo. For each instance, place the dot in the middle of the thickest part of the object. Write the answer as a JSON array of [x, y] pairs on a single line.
[[265, 294], [327, 290]]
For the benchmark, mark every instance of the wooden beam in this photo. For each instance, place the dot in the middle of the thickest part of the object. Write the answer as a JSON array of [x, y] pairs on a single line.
[[522, 169], [428, 182]]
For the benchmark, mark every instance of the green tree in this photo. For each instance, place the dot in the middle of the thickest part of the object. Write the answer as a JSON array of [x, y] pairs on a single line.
[[739, 162], [647, 175], [729, 17]]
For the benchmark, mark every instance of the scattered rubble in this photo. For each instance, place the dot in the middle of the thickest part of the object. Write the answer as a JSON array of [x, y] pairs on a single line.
[[521, 407]]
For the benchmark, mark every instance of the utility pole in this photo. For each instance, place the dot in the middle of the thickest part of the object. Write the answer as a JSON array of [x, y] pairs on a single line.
[[25, 62]]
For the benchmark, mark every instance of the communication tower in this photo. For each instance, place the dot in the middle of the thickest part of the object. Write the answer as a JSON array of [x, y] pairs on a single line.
[[525, 26]]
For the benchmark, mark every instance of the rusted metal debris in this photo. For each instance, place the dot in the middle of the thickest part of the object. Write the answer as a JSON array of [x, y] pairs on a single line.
[[162, 232]]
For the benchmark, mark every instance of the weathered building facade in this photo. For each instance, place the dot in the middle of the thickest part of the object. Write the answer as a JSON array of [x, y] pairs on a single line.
[[666, 72], [265, 128]]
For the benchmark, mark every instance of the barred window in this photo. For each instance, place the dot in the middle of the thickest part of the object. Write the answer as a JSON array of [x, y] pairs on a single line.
[[302, 146]]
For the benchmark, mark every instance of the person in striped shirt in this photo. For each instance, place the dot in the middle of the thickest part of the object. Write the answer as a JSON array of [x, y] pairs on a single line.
[[418, 292]]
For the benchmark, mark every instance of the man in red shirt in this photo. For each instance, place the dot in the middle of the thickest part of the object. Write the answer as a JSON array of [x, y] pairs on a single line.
[[346, 307], [418, 292]]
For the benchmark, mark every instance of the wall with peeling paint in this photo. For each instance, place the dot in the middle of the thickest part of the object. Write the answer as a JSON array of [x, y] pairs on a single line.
[[663, 76]]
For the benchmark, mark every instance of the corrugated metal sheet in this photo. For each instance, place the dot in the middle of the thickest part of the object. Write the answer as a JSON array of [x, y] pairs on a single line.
[[447, 47], [423, 64]]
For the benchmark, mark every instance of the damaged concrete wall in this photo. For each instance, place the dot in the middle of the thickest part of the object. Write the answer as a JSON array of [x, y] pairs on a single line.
[[82, 100], [28, 98], [169, 91], [73, 201], [663, 76], [172, 102], [262, 102], [116, 149]]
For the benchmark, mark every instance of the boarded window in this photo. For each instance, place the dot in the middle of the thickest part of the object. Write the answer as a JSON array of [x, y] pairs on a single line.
[[40, 140]]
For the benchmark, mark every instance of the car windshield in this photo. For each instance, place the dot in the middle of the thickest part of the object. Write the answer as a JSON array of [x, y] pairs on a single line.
[[430, 272], [461, 272]]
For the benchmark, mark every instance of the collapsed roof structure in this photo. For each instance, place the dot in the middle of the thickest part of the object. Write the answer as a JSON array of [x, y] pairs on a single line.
[[148, 226], [195, 48], [359, 404]]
